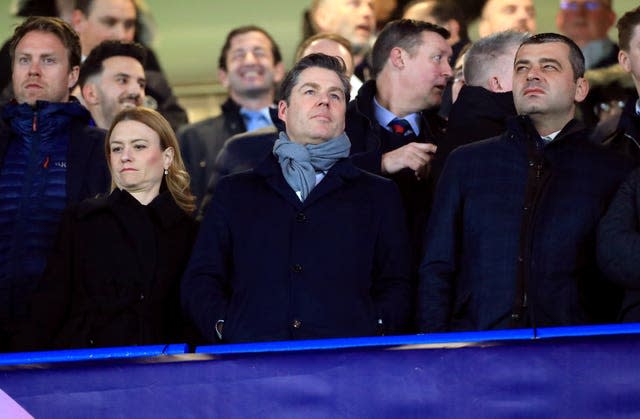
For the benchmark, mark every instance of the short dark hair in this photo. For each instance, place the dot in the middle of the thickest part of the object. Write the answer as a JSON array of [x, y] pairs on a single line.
[[443, 11], [576, 58], [52, 25], [324, 35], [402, 33], [626, 25], [328, 62], [275, 49], [107, 49]]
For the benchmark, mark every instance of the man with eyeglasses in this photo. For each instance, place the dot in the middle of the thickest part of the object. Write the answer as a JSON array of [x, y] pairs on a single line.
[[587, 22]]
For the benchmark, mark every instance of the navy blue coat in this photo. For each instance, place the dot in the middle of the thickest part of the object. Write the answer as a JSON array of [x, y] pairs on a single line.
[[511, 238], [275, 268], [619, 245]]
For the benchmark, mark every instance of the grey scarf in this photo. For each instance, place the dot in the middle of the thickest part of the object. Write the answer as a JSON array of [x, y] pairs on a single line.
[[301, 162]]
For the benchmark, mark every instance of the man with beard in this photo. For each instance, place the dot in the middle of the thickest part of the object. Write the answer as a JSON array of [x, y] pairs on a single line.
[[249, 66], [49, 157], [102, 20], [507, 15], [393, 123], [112, 79], [511, 239]]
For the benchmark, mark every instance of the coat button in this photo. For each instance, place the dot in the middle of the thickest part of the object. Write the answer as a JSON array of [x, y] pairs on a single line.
[[301, 218], [141, 296], [520, 259], [296, 324], [531, 163], [297, 268], [515, 316]]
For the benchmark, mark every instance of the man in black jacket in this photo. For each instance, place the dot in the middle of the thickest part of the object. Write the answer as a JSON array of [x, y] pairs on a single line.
[[49, 157], [250, 65], [485, 101], [511, 238]]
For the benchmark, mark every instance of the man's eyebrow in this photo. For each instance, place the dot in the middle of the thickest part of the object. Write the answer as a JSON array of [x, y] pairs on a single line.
[[550, 60], [309, 84]]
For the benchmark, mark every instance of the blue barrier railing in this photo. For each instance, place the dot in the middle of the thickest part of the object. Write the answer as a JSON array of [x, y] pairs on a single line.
[[72, 355], [434, 339]]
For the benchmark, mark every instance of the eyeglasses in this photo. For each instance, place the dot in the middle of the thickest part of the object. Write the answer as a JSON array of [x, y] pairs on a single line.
[[574, 6]]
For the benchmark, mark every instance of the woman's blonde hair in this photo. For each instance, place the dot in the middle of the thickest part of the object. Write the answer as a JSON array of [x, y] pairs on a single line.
[[177, 179]]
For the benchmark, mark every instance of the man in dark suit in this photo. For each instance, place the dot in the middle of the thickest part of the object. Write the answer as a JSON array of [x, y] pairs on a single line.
[[306, 245], [49, 156]]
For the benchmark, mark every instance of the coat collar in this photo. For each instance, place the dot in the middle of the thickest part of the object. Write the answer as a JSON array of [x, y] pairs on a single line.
[[340, 173], [163, 209]]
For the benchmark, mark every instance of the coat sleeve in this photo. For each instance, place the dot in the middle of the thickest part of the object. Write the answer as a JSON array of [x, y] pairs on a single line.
[[391, 287], [618, 239], [206, 283], [439, 265]]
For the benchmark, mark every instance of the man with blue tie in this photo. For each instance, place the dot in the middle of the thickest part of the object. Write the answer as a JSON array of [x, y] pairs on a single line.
[[393, 123], [250, 66]]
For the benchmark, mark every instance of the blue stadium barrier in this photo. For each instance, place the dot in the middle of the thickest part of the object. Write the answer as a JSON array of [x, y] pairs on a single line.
[[576, 372], [75, 355]]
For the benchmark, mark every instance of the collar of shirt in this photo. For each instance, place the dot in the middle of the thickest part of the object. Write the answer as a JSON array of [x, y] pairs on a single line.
[[253, 123], [551, 137], [384, 116]]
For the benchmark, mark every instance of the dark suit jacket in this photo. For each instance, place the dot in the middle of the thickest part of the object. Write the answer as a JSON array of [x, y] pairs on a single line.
[[275, 268]]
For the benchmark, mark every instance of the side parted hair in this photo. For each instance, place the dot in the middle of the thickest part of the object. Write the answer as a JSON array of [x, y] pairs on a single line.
[[328, 62], [222, 59], [576, 58], [402, 33], [626, 26], [52, 25], [177, 180], [482, 54], [107, 49], [325, 35]]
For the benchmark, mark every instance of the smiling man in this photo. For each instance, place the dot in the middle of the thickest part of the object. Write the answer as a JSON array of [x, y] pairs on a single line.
[[511, 239], [305, 245], [112, 79], [250, 65], [393, 123], [49, 157]]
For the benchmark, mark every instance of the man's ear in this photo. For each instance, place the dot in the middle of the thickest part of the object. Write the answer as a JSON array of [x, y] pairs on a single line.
[[77, 20], [223, 78], [397, 57], [494, 85], [73, 76], [282, 111], [582, 89], [624, 61], [90, 94]]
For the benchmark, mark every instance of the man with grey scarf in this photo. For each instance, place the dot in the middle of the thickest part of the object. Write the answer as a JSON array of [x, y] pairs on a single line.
[[305, 245]]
